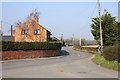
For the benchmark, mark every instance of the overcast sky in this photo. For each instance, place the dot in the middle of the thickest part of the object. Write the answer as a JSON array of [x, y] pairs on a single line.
[[65, 18]]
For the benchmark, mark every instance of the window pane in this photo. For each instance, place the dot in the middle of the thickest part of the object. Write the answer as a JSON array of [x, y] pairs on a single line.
[[36, 31], [24, 32]]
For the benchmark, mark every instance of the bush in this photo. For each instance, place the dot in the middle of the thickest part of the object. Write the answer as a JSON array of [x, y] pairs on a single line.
[[111, 53], [13, 46]]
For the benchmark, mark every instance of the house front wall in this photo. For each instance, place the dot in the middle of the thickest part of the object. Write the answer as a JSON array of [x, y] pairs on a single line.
[[30, 36]]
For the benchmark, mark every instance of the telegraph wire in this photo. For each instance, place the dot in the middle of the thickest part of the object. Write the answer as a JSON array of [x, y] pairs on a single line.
[[93, 11], [4, 22], [90, 18]]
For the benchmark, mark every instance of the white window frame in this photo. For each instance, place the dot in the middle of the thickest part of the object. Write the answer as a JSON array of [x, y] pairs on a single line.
[[24, 31], [37, 32]]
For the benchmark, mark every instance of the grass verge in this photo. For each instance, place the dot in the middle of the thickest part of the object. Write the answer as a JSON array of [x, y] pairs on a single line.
[[100, 60]]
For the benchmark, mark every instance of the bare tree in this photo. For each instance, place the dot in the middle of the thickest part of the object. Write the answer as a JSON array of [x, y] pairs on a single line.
[[18, 23], [35, 13]]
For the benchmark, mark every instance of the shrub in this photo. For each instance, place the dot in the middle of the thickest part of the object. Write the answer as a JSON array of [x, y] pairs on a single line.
[[111, 53], [13, 46]]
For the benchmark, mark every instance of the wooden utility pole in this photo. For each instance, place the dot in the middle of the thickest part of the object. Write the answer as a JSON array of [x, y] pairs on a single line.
[[99, 12], [61, 37], [80, 42], [73, 39]]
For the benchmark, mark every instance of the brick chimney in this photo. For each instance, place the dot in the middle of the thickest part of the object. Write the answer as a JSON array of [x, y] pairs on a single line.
[[11, 30], [37, 19]]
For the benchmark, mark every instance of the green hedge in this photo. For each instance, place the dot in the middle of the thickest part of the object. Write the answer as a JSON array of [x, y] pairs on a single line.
[[111, 53], [13, 46]]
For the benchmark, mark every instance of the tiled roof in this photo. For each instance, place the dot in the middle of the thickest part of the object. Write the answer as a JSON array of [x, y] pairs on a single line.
[[8, 38]]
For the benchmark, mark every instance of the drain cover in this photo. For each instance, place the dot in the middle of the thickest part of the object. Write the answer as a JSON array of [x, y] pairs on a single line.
[[82, 72], [61, 71]]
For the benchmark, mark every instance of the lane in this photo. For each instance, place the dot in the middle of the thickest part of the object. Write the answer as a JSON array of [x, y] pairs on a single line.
[[68, 55], [74, 65]]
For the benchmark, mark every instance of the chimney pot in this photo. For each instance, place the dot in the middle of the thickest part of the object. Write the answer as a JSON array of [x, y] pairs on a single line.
[[37, 19]]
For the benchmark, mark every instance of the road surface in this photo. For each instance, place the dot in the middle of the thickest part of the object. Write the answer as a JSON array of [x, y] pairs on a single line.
[[72, 64]]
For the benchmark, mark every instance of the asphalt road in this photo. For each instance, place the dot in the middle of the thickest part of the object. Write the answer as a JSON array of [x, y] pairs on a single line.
[[72, 64]]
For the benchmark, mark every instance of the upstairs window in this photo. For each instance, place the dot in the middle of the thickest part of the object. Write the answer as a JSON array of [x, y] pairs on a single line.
[[37, 32], [25, 32]]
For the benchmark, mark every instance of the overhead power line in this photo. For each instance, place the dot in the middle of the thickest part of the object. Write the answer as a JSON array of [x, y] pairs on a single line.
[[6, 22], [91, 15]]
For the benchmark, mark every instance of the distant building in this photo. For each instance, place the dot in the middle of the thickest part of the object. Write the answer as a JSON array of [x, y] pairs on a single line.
[[31, 31], [90, 42], [8, 38], [54, 38], [0, 35]]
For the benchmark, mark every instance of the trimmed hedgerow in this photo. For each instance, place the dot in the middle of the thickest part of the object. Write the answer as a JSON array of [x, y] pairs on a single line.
[[111, 53], [13, 46]]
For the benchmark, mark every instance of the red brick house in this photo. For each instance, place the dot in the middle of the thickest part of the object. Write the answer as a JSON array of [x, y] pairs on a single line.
[[31, 31]]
